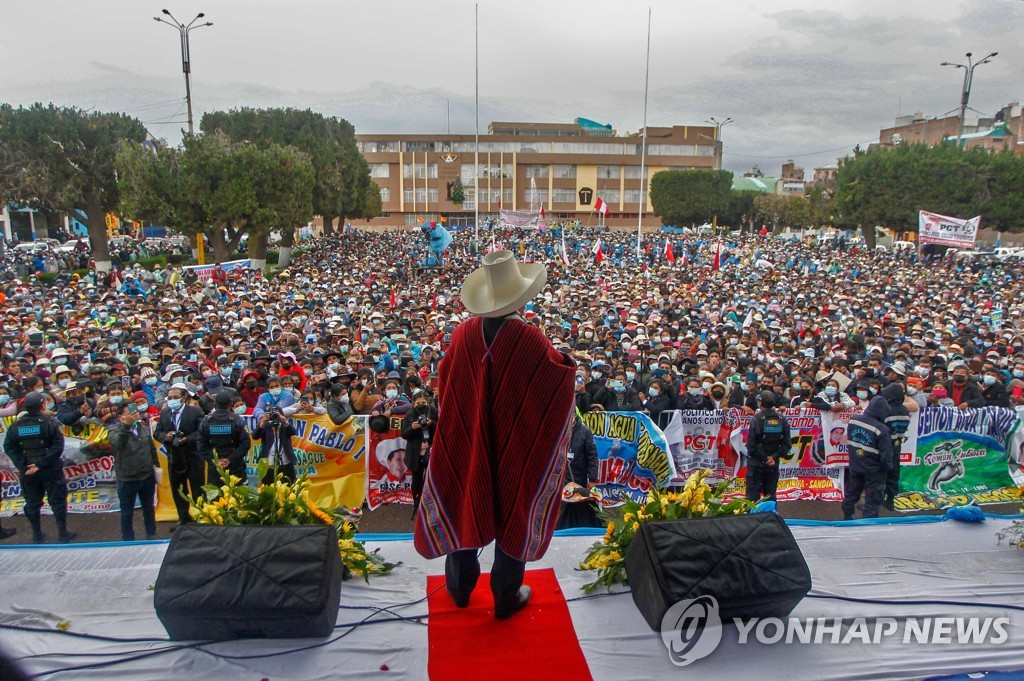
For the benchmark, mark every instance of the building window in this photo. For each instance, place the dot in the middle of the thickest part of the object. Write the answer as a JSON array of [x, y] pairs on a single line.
[[609, 196], [632, 172], [536, 170], [380, 170], [470, 202], [564, 196], [385, 194], [507, 199], [407, 195], [377, 147], [432, 195], [565, 172], [419, 146], [609, 172], [705, 151], [422, 171], [633, 197], [535, 196], [467, 175], [672, 150]]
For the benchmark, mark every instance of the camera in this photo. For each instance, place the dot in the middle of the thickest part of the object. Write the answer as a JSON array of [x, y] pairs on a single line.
[[275, 416], [423, 421]]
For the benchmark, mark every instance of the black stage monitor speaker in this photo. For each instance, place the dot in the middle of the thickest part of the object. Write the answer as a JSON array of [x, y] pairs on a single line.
[[750, 563], [223, 583]]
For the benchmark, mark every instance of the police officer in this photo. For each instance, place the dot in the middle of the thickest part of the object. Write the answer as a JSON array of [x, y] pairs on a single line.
[[767, 441], [898, 423], [224, 432], [35, 445], [869, 442]]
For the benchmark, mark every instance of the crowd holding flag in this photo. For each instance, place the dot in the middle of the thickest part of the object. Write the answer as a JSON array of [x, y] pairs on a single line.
[[669, 255], [600, 206], [598, 252], [565, 253]]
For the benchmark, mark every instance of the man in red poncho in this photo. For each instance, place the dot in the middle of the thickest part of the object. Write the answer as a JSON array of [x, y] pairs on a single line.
[[505, 417]]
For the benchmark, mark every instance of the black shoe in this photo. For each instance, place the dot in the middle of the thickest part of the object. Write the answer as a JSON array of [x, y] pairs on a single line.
[[460, 601], [504, 611], [151, 537], [7, 533], [847, 517], [38, 538], [66, 537]]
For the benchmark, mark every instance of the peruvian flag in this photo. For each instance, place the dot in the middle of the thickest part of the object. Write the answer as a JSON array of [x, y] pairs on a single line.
[[565, 253], [684, 256], [669, 255], [392, 299], [433, 303], [598, 252], [717, 264], [600, 206]]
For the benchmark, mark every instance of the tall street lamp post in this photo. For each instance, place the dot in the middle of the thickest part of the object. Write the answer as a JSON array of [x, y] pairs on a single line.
[[965, 94], [718, 135], [186, 62]]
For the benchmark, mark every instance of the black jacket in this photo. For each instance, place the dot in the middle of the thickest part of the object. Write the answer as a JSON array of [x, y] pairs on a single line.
[[238, 447], [50, 433], [768, 436], [971, 395], [70, 414], [660, 407], [869, 440], [582, 454], [694, 402], [626, 401], [270, 441], [191, 419], [134, 455], [995, 395], [339, 411], [414, 437]]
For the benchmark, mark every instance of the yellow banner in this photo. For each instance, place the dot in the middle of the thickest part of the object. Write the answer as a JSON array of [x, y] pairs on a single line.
[[330, 456]]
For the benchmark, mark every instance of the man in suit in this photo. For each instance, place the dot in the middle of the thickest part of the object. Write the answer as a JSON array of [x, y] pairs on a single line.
[[178, 428]]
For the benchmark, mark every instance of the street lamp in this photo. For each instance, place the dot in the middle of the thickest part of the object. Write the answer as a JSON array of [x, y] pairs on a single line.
[[965, 94], [718, 135], [186, 62]]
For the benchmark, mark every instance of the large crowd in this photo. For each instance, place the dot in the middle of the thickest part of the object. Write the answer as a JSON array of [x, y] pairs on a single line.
[[354, 324]]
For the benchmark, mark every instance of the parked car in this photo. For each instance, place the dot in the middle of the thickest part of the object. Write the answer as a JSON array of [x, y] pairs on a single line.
[[71, 246], [31, 247]]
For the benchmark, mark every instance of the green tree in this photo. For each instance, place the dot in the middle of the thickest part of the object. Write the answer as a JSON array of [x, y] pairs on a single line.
[[681, 197], [62, 158], [740, 209], [341, 177]]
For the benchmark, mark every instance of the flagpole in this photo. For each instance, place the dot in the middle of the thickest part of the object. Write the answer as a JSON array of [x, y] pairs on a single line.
[[476, 145], [643, 143]]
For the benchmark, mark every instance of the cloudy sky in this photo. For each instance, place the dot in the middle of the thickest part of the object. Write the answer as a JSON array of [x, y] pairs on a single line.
[[801, 80]]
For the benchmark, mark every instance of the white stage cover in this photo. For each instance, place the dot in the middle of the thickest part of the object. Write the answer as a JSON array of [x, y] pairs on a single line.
[[105, 590]]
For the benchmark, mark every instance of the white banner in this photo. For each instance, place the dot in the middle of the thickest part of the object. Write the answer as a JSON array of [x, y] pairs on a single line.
[[525, 219], [833, 434], [204, 272], [946, 231]]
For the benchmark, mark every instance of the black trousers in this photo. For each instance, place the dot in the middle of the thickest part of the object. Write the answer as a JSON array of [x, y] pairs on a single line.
[[872, 486], [419, 474], [287, 471], [187, 475], [762, 480], [462, 569], [892, 482], [49, 481]]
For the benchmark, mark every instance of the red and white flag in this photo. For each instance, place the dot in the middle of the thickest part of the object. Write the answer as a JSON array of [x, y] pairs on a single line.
[[598, 252], [542, 224], [683, 259], [717, 264], [600, 206], [669, 255], [565, 253], [392, 301]]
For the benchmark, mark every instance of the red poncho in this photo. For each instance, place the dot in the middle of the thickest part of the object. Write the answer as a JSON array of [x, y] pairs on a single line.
[[497, 465]]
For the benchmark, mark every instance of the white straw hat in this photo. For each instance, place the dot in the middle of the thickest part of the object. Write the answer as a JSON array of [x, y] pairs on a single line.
[[502, 285]]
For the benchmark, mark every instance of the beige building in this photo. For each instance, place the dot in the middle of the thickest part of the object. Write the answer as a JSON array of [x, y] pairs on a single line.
[[563, 168]]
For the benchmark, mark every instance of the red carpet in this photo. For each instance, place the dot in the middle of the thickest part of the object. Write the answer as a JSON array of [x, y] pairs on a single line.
[[538, 642]]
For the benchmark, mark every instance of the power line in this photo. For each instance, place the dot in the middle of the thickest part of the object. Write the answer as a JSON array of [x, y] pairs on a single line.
[[811, 153]]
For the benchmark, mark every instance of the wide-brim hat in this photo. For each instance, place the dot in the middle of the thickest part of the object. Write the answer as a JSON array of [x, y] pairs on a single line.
[[384, 449], [502, 285]]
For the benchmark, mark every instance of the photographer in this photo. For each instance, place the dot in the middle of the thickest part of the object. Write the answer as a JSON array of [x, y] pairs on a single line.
[[418, 431], [135, 463], [223, 433], [178, 428], [276, 432]]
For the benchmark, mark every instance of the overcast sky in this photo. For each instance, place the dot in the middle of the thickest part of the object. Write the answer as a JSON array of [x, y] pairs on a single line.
[[799, 83]]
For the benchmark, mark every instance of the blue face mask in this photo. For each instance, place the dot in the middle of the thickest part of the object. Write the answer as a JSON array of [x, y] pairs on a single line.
[[831, 391], [116, 399], [174, 405], [240, 409], [275, 392]]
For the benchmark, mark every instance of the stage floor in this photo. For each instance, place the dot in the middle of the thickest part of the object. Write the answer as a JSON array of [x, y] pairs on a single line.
[[105, 590]]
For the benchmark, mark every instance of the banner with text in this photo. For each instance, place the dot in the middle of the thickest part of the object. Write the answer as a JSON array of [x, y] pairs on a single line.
[[833, 432], [204, 272], [946, 231], [525, 219], [330, 456], [632, 455]]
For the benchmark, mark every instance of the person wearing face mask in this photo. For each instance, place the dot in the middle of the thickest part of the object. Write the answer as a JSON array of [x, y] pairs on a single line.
[[915, 392], [872, 457], [418, 428], [993, 389], [76, 409], [251, 389], [694, 398], [290, 366], [718, 397], [393, 402], [135, 466], [597, 386], [339, 406], [965, 393], [660, 404], [276, 436], [831, 398], [898, 422], [178, 428], [804, 392], [8, 406], [274, 398], [623, 398]]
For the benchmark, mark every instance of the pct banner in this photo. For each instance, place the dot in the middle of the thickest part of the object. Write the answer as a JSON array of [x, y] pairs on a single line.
[[204, 272], [524, 219], [632, 455], [701, 440], [388, 481], [833, 433], [88, 467], [946, 231], [803, 473], [961, 458], [330, 456]]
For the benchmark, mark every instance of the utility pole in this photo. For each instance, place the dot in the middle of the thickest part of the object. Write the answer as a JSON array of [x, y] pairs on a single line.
[[965, 93], [718, 135], [186, 61]]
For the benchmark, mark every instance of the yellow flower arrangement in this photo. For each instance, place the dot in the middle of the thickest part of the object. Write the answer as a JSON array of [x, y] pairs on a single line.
[[281, 503], [697, 499]]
